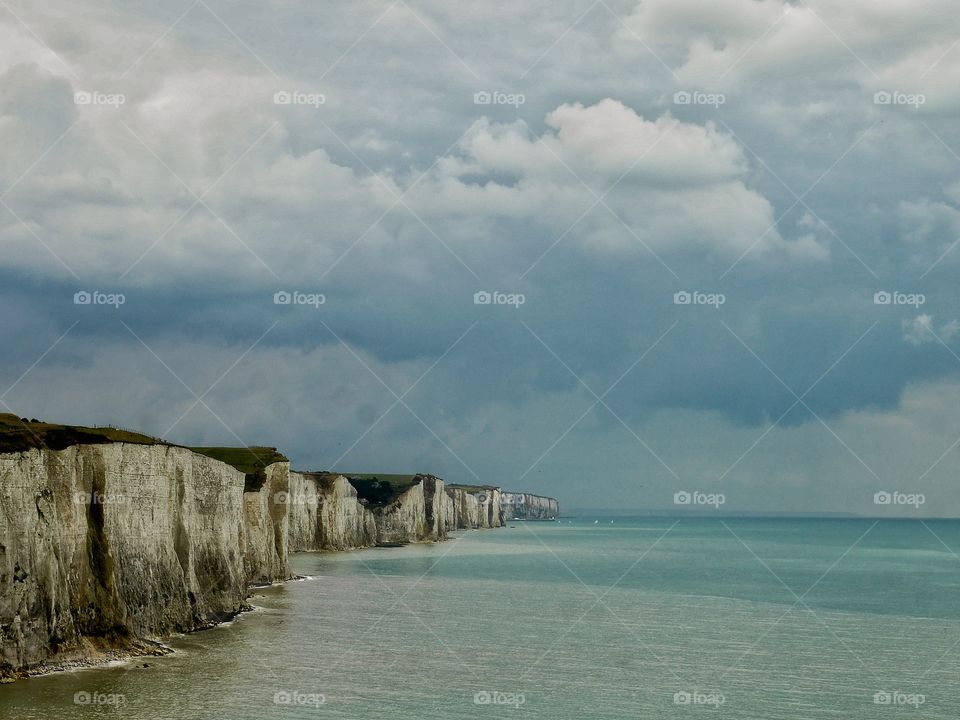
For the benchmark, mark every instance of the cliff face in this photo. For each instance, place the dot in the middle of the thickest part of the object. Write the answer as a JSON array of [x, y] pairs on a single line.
[[326, 515], [419, 513], [524, 506], [109, 543], [266, 525], [474, 508]]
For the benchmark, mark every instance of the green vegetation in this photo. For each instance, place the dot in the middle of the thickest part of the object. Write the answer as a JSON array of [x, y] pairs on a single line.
[[379, 490], [472, 488], [251, 461], [19, 434]]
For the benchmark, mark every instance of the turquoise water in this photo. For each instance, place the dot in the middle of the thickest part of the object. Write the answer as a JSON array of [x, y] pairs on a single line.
[[744, 618]]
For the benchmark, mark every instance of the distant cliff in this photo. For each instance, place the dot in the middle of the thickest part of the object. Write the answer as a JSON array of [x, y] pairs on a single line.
[[327, 512], [524, 506]]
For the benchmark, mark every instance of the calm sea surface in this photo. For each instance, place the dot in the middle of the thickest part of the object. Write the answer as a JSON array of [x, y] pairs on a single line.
[[638, 618]]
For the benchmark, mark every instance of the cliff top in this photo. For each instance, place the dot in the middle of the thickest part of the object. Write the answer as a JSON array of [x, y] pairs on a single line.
[[251, 461], [19, 434], [472, 488], [378, 490]]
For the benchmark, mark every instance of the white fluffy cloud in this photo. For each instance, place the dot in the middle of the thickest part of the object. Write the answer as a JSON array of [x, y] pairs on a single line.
[[676, 185], [888, 44]]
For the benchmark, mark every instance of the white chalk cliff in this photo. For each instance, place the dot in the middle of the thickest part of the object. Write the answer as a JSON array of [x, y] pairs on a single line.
[[108, 547]]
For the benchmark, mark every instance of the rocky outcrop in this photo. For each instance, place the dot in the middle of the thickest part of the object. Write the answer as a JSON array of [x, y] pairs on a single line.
[[524, 506], [111, 543]]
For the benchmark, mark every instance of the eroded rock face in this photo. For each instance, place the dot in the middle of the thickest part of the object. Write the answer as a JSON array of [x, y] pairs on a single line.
[[122, 541], [474, 509], [420, 513], [266, 522], [326, 515]]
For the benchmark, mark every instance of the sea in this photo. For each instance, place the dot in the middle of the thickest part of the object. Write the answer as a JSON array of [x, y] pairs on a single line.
[[586, 617]]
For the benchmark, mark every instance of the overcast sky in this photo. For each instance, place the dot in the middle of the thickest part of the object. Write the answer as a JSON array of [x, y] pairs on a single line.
[[780, 163]]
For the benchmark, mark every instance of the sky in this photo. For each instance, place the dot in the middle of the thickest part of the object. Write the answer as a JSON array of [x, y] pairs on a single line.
[[639, 255]]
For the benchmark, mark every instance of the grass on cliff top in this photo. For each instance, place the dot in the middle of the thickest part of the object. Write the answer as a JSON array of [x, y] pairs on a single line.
[[472, 488], [251, 461], [19, 434], [379, 490]]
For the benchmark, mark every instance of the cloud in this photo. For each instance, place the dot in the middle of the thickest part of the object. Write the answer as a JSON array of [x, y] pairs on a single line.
[[920, 330], [669, 185], [399, 198]]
